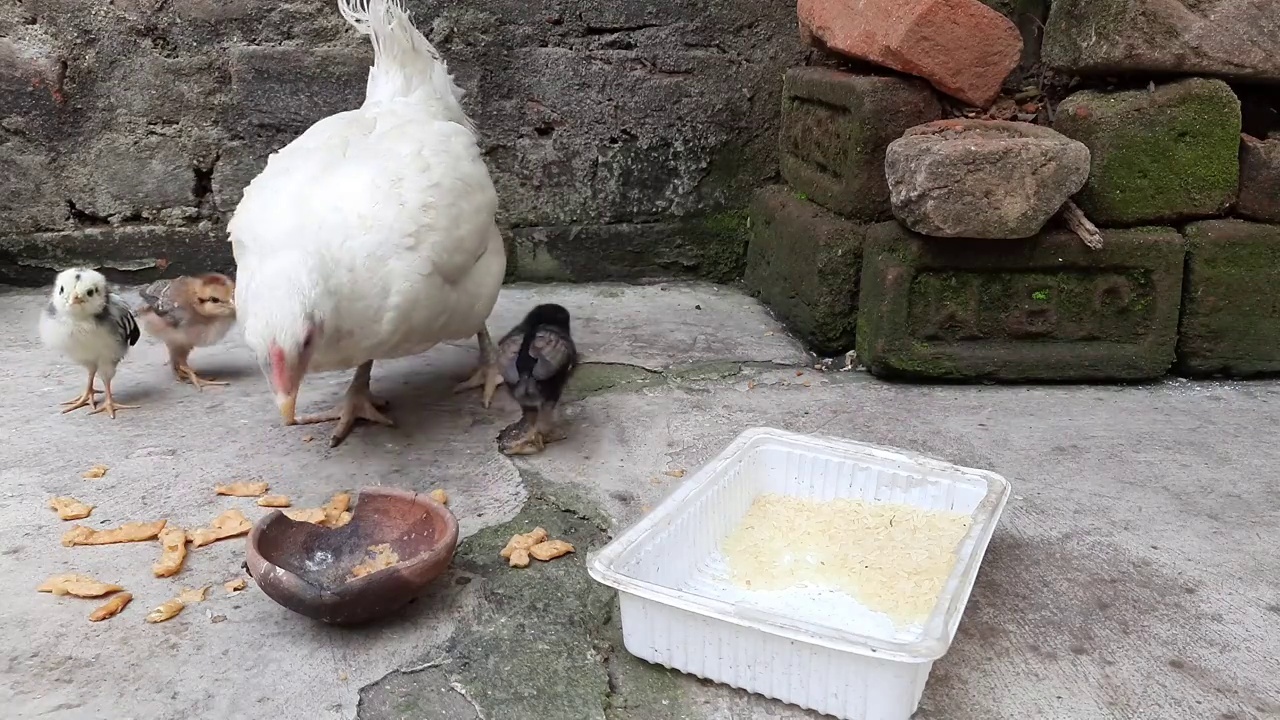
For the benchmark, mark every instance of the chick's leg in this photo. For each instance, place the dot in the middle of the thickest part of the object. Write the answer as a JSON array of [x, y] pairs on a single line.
[[86, 397], [109, 405], [178, 359], [488, 374], [358, 405]]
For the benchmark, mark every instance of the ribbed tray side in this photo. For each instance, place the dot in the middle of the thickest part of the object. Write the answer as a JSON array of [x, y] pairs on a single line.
[[842, 685]]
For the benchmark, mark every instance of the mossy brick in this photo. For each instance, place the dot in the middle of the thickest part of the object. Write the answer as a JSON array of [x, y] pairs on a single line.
[[1157, 156], [835, 128], [1043, 309], [1230, 307], [804, 262]]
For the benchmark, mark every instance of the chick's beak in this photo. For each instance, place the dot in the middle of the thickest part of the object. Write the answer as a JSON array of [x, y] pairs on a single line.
[[77, 299]]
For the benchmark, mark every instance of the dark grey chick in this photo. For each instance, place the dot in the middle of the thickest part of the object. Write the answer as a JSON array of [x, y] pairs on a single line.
[[536, 359]]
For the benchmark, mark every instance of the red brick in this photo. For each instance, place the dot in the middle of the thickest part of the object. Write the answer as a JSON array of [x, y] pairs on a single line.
[[962, 47]]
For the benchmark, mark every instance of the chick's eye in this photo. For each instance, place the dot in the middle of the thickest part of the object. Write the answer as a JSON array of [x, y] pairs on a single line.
[[61, 290], [215, 300], [91, 292]]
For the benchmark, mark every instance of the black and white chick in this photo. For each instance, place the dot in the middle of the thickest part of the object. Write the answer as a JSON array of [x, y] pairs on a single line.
[[91, 326], [536, 359]]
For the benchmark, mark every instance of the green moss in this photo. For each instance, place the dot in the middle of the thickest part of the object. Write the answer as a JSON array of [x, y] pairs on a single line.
[[592, 378], [805, 263], [718, 244], [922, 362], [531, 260], [1156, 156], [705, 371], [1040, 295], [549, 626], [1231, 311]]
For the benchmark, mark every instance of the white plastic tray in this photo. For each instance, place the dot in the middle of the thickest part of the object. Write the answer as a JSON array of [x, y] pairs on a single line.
[[824, 654]]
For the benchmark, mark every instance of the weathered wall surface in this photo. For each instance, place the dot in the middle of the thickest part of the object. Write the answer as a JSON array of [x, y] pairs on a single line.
[[624, 136]]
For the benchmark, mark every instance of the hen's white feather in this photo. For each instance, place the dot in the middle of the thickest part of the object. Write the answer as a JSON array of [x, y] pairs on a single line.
[[377, 223]]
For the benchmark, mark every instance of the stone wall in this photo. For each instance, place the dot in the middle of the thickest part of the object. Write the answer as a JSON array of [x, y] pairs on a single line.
[[624, 137], [1018, 190]]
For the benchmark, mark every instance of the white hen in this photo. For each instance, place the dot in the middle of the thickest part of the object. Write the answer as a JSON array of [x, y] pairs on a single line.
[[372, 235]]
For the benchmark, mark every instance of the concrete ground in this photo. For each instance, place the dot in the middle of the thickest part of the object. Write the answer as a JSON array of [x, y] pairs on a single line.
[[1134, 574]]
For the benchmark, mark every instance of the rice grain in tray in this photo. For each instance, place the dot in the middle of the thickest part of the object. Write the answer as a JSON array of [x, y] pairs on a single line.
[[892, 558]]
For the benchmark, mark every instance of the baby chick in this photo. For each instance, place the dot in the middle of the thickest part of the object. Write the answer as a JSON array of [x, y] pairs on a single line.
[[187, 313], [536, 358], [92, 326]]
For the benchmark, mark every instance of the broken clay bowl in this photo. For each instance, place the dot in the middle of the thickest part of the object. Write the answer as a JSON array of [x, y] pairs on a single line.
[[305, 567]]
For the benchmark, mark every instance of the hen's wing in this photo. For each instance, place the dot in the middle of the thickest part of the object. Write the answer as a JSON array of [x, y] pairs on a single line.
[[160, 299]]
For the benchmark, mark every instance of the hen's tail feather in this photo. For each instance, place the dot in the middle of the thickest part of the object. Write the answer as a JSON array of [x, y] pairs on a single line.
[[404, 62]]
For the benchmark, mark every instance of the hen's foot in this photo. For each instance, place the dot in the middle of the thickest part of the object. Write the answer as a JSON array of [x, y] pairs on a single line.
[[186, 374], [357, 406], [488, 374]]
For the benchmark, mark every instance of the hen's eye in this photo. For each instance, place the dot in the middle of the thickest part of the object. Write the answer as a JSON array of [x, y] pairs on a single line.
[[214, 300]]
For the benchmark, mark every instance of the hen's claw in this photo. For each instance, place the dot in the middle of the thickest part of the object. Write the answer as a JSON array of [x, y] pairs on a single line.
[[486, 375], [357, 406]]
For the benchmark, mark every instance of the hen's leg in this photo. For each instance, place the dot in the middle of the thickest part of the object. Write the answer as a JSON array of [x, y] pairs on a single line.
[[109, 405], [85, 398], [178, 359], [358, 405], [488, 373]]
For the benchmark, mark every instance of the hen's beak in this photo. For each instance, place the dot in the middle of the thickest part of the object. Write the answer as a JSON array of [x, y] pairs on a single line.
[[287, 403]]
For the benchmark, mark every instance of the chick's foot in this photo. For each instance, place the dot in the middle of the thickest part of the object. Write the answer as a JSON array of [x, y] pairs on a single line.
[[525, 438], [357, 406], [110, 406], [186, 374], [85, 398], [520, 438]]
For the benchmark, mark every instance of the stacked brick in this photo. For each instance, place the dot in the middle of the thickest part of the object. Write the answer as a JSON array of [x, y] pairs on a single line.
[[964, 268]]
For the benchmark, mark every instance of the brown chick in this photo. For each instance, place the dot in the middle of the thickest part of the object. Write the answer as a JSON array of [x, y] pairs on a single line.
[[187, 313]]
